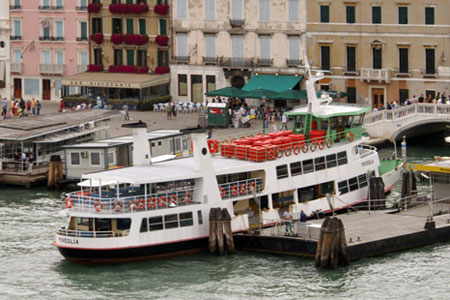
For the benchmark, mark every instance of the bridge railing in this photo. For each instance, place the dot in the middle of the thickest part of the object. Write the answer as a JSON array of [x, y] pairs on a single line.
[[402, 112]]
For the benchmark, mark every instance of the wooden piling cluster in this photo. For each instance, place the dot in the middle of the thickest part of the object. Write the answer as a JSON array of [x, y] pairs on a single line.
[[332, 245], [55, 172], [376, 197], [409, 188], [220, 223]]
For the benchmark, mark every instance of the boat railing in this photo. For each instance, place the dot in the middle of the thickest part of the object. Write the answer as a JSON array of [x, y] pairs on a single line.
[[85, 233], [240, 188], [366, 151], [406, 111], [305, 230], [93, 203]]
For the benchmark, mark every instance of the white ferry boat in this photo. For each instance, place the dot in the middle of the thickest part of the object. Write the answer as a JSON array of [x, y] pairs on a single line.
[[161, 209]]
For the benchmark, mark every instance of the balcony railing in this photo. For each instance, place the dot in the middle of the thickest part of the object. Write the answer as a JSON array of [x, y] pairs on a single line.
[[236, 23], [44, 7], [16, 67], [82, 68], [16, 37], [264, 62], [236, 62], [293, 62], [81, 8], [429, 73], [45, 38], [51, 69], [210, 60], [82, 39], [58, 38], [58, 8], [13, 7], [369, 74], [181, 59]]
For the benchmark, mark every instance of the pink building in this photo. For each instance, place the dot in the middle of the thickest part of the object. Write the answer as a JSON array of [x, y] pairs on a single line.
[[49, 40]]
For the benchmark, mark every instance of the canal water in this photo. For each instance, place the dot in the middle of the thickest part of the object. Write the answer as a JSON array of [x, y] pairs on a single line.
[[31, 268]]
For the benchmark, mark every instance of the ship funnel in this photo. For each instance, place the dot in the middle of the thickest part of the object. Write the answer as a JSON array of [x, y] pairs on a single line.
[[200, 150], [141, 146]]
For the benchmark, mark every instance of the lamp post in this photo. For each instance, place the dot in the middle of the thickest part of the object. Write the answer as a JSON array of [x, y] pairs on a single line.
[[263, 99]]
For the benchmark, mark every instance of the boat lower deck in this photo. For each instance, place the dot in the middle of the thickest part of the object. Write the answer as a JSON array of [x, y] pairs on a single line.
[[367, 234]]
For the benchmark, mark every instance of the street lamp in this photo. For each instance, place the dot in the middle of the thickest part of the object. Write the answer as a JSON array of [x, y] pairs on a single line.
[[264, 99]]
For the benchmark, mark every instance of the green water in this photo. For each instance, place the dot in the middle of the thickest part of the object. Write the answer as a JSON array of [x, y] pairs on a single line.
[[33, 269]]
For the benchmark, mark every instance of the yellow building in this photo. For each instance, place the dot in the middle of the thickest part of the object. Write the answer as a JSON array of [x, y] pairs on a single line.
[[380, 50]]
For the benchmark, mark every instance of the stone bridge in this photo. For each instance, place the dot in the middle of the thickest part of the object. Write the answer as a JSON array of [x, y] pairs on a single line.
[[410, 121]]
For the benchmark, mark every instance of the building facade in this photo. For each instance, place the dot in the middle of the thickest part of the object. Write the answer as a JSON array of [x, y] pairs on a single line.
[[5, 83], [49, 40], [380, 51], [218, 43]]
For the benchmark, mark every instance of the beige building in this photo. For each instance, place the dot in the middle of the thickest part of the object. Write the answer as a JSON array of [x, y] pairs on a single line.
[[218, 43], [379, 50]]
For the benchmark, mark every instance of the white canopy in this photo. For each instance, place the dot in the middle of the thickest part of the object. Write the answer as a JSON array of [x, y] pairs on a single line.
[[95, 182]]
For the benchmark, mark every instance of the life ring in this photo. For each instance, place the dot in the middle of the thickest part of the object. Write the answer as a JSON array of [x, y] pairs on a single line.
[[288, 152], [271, 154], [297, 149], [252, 186], [232, 140], [98, 206], [312, 147], [350, 136], [242, 138], [280, 152], [141, 203], [321, 144], [329, 143], [250, 136], [259, 133], [234, 190], [186, 198], [222, 192], [151, 202], [305, 148], [173, 199], [69, 202], [213, 146], [225, 141], [118, 206], [243, 189], [162, 201]]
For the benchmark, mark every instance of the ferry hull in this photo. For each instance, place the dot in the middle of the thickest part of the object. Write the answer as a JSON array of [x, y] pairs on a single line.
[[101, 256]]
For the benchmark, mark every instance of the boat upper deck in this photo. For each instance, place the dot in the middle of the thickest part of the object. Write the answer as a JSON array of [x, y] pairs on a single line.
[[34, 127], [331, 110]]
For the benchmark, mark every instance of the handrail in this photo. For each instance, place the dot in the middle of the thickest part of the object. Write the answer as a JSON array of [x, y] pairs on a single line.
[[242, 188], [86, 233], [406, 111]]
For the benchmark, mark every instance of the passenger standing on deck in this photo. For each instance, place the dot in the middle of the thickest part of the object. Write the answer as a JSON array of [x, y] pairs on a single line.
[[284, 122], [303, 216], [287, 216]]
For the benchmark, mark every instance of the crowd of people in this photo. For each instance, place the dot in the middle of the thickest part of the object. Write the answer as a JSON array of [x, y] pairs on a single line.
[[20, 108], [438, 99]]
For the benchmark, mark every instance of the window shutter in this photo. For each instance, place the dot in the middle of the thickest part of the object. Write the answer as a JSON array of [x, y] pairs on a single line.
[[236, 10], [377, 63], [130, 26], [350, 14], [324, 14], [403, 54], [83, 58], [376, 14], [264, 10], [130, 57], [403, 15], [429, 15], [182, 45], [210, 43], [46, 57], [293, 10], [17, 28], [210, 9], [59, 57], [264, 47], [142, 26], [162, 27], [325, 58], [59, 29], [237, 46], [351, 61], [181, 9], [294, 48], [429, 61], [83, 30]]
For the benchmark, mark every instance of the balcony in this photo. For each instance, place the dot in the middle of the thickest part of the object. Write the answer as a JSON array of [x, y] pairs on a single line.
[[429, 73], [237, 23], [350, 71], [44, 7], [264, 62], [16, 68], [294, 62], [234, 62], [82, 68], [15, 7], [181, 59], [211, 60], [58, 38], [58, 8], [380, 75], [16, 37], [45, 38], [82, 39], [51, 69], [81, 8]]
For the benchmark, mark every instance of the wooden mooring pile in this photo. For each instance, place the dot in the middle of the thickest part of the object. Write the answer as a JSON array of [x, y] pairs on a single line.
[[332, 246], [220, 225], [55, 172]]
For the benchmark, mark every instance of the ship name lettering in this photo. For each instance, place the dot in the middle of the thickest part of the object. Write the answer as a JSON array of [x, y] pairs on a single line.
[[68, 241], [367, 163]]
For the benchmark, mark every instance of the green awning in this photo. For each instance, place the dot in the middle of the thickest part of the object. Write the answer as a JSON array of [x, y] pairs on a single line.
[[228, 91], [272, 83]]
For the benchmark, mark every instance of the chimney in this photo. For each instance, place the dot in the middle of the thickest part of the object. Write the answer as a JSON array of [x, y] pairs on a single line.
[[141, 146]]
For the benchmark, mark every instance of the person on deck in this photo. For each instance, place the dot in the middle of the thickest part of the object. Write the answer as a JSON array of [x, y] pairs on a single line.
[[287, 216], [303, 216]]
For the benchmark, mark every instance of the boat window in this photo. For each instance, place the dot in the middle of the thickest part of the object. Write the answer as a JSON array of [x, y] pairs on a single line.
[[159, 143], [178, 145], [95, 158], [155, 223], [200, 217], [153, 144], [84, 222], [353, 183], [331, 161], [185, 144], [103, 225], [282, 171], [326, 188], [75, 158], [144, 225], [440, 178], [123, 224], [308, 166], [299, 121], [186, 219], [111, 160], [358, 120], [342, 158], [170, 221], [362, 179], [343, 187], [296, 168], [319, 163]]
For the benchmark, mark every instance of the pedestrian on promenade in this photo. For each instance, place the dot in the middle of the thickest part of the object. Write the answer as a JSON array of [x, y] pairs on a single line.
[[169, 111], [125, 112], [284, 122], [33, 106], [38, 106], [174, 110]]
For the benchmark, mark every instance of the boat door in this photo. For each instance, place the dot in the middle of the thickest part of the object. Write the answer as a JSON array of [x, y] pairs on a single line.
[[377, 97], [17, 88], [46, 89]]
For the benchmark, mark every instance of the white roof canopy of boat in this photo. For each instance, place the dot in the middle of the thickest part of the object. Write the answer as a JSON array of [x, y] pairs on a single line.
[[94, 182], [332, 109]]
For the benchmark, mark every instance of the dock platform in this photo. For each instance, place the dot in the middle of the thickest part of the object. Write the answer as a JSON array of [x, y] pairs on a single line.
[[367, 234]]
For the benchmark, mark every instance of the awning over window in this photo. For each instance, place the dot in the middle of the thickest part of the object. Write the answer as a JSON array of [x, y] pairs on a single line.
[[2, 70], [273, 83], [115, 80]]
